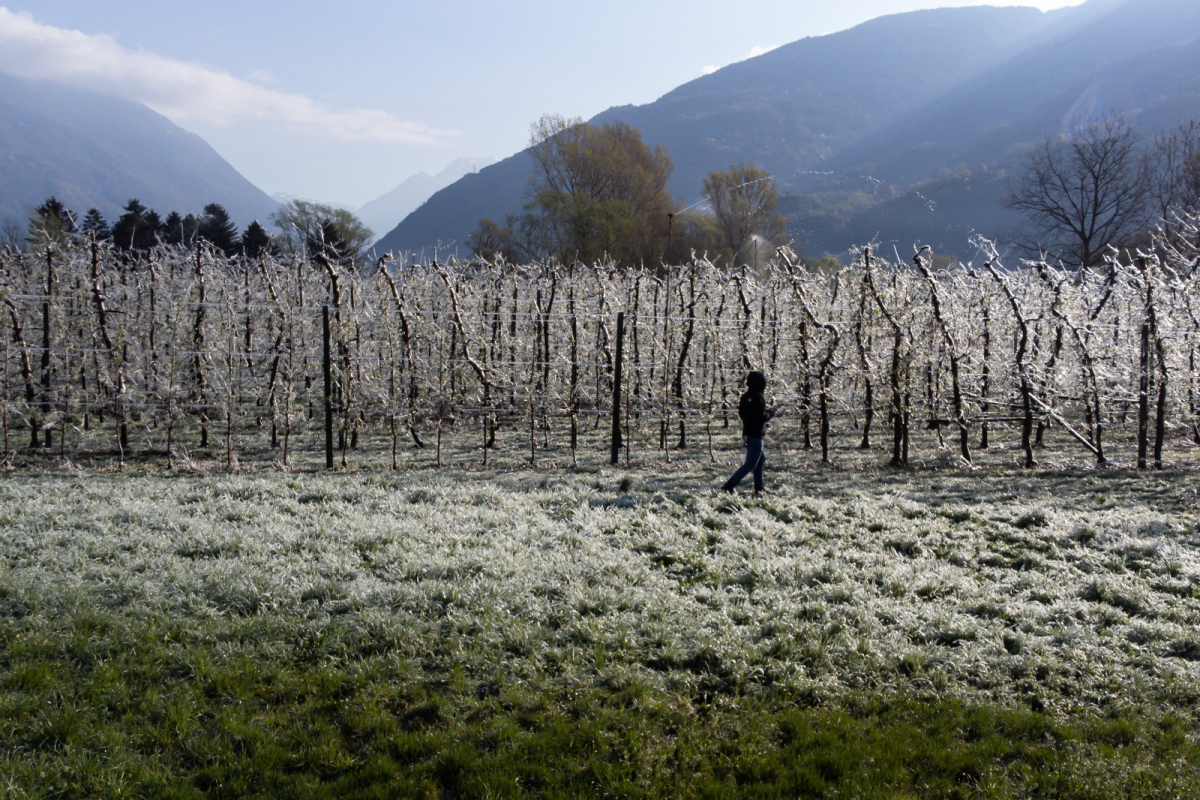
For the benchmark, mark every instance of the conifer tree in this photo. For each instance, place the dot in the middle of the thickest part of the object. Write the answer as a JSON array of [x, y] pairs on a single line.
[[218, 228], [94, 223], [51, 222], [256, 241], [180, 230], [138, 228]]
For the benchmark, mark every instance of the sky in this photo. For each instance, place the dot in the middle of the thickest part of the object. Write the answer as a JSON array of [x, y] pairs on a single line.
[[342, 103]]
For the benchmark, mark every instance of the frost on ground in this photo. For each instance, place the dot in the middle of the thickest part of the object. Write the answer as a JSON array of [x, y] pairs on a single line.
[[1059, 590]]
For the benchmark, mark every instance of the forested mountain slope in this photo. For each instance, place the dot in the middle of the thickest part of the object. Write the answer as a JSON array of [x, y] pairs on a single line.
[[906, 128]]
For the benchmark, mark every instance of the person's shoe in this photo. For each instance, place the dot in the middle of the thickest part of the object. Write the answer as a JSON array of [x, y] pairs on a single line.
[[727, 489], [758, 492]]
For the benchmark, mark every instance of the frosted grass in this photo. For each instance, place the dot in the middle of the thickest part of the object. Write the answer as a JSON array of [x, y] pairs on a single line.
[[1060, 590]]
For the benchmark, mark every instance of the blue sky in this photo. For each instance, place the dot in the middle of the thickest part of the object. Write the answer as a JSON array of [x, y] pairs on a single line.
[[341, 103]]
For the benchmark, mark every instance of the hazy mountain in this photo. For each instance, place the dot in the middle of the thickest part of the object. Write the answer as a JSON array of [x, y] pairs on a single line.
[[385, 212], [788, 110], [942, 172], [907, 128], [793, 108], [89, 149], [284, 198]]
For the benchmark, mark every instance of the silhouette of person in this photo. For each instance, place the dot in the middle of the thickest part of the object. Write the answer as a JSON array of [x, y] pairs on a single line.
[[755, 414]]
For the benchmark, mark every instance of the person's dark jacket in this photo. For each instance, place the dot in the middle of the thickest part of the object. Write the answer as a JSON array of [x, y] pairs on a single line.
[[752, 408]]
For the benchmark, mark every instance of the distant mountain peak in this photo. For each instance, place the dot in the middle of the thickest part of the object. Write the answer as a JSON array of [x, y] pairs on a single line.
[[385, 212]]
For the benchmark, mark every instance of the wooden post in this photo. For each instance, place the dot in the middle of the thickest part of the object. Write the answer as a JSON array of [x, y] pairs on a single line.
[[897, 402], [1143, 430], [1160, 425], [616, 397], [4, 407], [327, 374], [986, 373], [46, 408]]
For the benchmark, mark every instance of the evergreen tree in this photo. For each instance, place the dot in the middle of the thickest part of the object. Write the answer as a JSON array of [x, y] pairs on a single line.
[[138, 228], [151, 233], [179, 230], [95, 223], [51, 222], [173, 229], [216, 227], [256, 241]]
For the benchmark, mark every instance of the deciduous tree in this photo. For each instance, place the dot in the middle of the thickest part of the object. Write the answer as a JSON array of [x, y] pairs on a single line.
[[492, 240], [1085, 191], [600, 190], [743, 201], [1175, 188], [303, 221], [50, 222]]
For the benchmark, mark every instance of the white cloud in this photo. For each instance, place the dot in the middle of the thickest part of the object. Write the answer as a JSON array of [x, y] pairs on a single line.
[[261, 76], [757, 50], [183, 91]]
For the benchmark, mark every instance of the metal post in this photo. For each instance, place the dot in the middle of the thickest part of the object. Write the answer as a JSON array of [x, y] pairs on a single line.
[[616, 396], [326, 371]]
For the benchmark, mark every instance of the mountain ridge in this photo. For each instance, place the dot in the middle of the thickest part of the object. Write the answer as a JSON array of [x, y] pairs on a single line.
[[914, 131], [386, 211], [93, 150], [795, 121]]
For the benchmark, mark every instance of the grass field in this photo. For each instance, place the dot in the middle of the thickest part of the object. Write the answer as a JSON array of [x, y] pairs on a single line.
[[600, 632]]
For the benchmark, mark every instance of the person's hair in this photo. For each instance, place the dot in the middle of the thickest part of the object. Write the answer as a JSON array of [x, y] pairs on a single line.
[[756, 381]]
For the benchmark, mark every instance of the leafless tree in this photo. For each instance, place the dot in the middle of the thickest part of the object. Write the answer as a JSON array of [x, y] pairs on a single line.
[[1085, 192], [12, 234], [1175, 188]]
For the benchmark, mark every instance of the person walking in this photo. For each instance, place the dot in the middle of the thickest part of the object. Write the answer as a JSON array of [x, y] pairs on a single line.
[[755, 414]]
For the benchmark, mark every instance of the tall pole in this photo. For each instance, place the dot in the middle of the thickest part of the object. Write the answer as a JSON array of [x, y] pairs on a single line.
[[1143, 430], [670, 226], [46, 344], [616, 395], [327, 374]]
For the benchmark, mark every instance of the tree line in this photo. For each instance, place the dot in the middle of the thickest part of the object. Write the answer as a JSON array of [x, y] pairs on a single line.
[[599, 193], [299, 225], [177, 337]]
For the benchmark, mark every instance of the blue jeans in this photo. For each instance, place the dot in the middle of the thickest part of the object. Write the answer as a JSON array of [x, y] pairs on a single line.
[[756, 459]]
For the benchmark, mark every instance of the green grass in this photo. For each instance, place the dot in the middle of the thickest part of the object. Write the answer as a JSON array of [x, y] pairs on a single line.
[[99, 706], [600, 633]]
